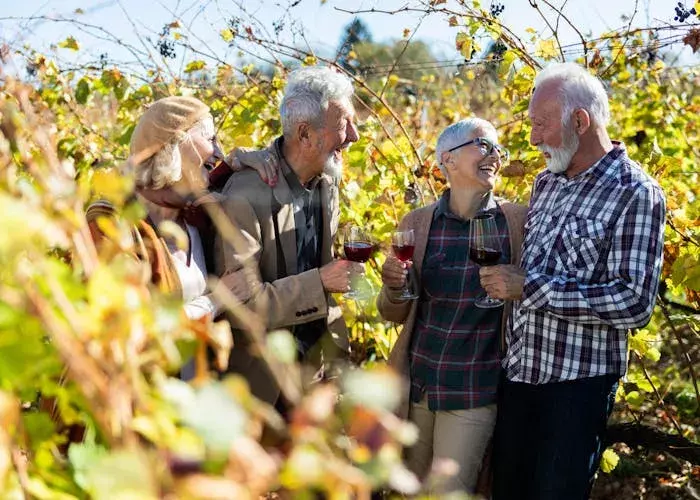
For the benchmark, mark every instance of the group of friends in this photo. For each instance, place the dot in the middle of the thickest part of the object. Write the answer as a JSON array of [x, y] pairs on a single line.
[[518, 394]]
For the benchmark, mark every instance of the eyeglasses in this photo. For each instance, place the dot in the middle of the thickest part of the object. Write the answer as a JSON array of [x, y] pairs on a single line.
[[486, 147]]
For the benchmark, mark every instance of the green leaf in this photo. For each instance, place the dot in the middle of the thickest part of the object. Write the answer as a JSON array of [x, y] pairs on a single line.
[[82, 91], [120, 475], [609, 461], [195, 66], [82, 457], [635, 399]]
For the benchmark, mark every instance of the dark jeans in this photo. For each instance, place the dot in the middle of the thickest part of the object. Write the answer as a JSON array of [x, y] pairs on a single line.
[[548, 438]]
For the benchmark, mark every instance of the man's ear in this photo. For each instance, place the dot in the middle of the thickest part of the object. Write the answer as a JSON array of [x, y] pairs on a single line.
[[303, 132], [582, 121]]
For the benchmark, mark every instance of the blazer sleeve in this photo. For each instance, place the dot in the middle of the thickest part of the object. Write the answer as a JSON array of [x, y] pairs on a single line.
[[390, 307], [287, 301]]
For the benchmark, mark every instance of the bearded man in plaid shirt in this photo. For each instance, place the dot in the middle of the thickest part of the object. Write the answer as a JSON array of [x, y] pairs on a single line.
[[589, 272]]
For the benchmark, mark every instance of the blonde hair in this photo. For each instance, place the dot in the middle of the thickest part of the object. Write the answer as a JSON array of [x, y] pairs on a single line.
[[164, 168]]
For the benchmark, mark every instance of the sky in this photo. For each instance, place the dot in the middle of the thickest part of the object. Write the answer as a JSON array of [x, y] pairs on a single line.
[[320, 22]]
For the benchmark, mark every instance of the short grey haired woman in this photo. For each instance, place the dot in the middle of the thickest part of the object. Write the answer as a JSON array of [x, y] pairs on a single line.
[[448, 350]]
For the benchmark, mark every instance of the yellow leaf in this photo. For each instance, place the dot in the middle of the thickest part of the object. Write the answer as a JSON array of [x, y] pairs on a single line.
[[609, 460], [546, 49], [310, 61], [109, 184], [69, 43], [195, 66], [463, 43], [227, 34], [506, 63], [243, 141], [530, 30]]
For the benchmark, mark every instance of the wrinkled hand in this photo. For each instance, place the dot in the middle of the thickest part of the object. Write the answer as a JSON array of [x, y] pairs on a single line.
[[394, 273], [237, 283], [503, 282], [263, 161], [336, 275]]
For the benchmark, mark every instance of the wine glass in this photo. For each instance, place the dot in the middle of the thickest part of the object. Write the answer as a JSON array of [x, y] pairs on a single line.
[[358, 248], [403, 244], [485, 250]]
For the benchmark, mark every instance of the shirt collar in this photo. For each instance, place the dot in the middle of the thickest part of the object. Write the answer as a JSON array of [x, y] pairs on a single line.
[[292, 180], [488, 205]]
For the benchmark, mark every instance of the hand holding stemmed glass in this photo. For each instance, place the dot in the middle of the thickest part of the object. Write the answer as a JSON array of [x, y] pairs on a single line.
[[358, 248], [485, 250], [404, 243]]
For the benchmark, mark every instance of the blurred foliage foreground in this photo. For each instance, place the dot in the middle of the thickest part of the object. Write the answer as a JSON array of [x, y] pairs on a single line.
[[98, 344]]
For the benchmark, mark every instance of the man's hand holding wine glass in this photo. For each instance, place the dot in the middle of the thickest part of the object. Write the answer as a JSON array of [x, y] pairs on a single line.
[[504, 281], [336, 275]]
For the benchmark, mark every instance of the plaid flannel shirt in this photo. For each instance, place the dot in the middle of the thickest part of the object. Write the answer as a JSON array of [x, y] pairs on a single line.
[[593, 253], [454, 357]]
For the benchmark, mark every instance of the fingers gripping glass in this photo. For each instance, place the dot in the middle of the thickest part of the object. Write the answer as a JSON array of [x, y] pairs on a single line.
[[403, 243], [358, 248], [486, 147], [485, 250]]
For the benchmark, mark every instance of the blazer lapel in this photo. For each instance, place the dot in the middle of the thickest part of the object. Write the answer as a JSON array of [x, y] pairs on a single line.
[[331, 214], [283, 215]]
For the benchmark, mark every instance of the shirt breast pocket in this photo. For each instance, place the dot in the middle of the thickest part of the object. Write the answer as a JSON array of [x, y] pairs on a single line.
[[538, 223], [443, 279], [583, 240]]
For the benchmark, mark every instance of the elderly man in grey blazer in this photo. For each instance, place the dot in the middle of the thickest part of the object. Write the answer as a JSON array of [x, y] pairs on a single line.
[[289, 228]]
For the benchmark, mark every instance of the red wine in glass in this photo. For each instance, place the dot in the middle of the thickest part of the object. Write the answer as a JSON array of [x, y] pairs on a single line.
[[404, 243], [358, 251], [484, 249], [358, 248], [485, 256], [403, 252]]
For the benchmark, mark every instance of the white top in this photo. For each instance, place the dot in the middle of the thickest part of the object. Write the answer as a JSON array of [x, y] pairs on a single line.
[[193, 278]]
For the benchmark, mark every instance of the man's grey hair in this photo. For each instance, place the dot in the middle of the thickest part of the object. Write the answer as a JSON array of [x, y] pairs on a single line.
[[578, 90], [307, 94], [461, 132], [164, 168]]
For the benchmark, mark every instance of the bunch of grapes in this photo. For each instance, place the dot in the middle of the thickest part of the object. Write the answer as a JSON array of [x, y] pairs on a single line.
[[165, 46], [496, 9], [682, 13]]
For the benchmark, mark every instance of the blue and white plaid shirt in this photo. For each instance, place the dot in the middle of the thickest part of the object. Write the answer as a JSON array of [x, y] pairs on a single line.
[[593, 253]]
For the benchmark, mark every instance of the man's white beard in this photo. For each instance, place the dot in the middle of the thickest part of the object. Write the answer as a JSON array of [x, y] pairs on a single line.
[[333, 167], [560, 158]]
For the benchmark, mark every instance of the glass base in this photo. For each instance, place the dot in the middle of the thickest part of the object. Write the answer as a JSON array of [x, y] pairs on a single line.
[[407, 295], [487, 302]]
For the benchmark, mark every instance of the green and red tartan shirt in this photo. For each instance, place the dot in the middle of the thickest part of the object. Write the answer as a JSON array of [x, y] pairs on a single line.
[[454, 351]]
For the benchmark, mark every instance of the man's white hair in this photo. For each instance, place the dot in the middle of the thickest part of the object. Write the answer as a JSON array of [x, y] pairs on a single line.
[[164, 168], [307, 94], [461, 132], [578, 89]]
